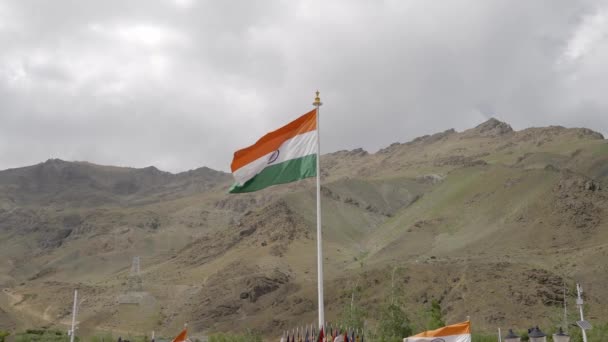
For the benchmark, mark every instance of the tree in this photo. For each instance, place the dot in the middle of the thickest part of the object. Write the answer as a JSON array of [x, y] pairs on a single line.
[[435, 316], [3, 334], [353, 315], [394, 324]]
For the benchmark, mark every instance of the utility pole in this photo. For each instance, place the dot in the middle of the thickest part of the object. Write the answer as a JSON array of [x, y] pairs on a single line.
[[579, 302], [565, 309]]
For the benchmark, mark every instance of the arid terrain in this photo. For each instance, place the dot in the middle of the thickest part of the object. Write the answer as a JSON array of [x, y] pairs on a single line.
[[491, 222]]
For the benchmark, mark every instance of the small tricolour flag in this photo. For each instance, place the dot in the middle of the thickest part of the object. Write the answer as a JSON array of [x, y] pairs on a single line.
[[282, 156], [321, 336], [460, 332]]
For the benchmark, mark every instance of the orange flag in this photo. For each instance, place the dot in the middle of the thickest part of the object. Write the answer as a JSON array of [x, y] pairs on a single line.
[[181, 337], [460, 332]]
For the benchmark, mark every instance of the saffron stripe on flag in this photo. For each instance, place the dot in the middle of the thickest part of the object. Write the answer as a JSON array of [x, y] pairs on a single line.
[[273, 140]]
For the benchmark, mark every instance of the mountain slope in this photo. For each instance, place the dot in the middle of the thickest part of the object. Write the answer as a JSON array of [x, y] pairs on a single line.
[[56, 182], [490, 221]]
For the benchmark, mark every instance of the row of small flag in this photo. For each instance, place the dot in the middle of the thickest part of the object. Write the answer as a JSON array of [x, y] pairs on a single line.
[[309, 334], [460, 332]]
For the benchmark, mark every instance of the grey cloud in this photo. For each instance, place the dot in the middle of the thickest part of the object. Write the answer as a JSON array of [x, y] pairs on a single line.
[[180, 86]]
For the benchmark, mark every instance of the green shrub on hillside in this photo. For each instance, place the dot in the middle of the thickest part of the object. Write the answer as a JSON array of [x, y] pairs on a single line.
[[435, 316], [483, 338], [353, 315], [598, 333], [3, 334], [249, 336], [103, 338], [42, 335], [393, 325]]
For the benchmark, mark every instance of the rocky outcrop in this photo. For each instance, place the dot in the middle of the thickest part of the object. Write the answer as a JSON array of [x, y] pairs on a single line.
[[429, 139], [548, 286], [490, 128], [358, 152], [392, 147], [588, 133], [238, 204], [461, 161], [432, 178], [577, 200], [260, 285]]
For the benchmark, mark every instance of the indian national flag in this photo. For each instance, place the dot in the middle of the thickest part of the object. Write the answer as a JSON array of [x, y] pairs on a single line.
[[460, 332], [285, 155]]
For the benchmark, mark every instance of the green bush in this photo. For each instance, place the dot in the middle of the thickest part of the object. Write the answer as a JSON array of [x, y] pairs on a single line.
[[3, 334], [483, 338], [248, 336], [353, 317], [435, 317], [42, 335], [394, 324], [598, 333], [103, 338], [35, 331]]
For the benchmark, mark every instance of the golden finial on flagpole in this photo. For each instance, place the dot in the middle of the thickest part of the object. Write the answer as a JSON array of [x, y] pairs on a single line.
[[317, 102]]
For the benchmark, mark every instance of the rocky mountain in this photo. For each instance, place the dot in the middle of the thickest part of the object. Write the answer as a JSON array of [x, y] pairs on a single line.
[[492, 223], [61, 183]]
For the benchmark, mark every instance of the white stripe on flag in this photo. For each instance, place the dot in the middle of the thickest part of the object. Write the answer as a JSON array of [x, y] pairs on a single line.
[[299, 146]]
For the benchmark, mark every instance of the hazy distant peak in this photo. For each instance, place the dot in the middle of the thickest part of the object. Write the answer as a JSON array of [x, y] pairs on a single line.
[[203, 171], [492, 127], [153, 170], [55, 162]]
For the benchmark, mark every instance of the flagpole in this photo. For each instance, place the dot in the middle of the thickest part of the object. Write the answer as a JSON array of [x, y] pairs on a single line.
[[73, 330], [318, 104]]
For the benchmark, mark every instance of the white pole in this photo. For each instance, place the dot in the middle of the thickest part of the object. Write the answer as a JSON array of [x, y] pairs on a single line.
[[579, 290], [565, 310], [499, 336], [73, 331], [318, 104]]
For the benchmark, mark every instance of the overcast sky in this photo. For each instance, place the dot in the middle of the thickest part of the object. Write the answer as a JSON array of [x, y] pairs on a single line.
[[181, 84]]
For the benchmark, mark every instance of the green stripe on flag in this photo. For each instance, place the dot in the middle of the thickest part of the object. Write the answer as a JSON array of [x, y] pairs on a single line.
[[285, 172]]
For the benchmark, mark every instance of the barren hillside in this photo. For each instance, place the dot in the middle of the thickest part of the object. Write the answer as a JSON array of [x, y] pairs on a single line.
[[491, 222]]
